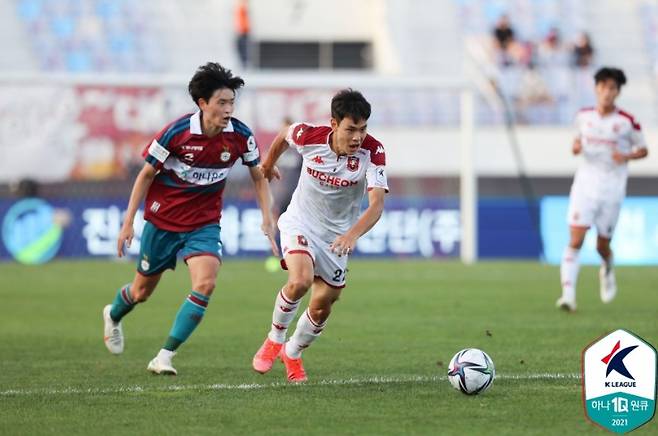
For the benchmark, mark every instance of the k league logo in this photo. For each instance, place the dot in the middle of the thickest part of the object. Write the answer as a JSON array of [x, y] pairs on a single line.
[[619, 381], [615, 362]]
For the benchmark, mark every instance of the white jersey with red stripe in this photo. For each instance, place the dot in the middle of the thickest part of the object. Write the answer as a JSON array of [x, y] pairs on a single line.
[[327, 200], [601, 135]]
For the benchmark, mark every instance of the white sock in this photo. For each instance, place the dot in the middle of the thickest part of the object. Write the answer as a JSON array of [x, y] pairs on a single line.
[[306, 332], [284, 312], [569, 273], [166, 355]]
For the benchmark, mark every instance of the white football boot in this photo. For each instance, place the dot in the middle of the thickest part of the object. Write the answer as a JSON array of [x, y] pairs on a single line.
[[112, 332], [161, 364], [565, 304], [607, 283]]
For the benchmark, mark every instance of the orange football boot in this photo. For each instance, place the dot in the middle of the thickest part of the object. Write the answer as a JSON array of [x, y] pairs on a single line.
[[294, 367], [266, 355]]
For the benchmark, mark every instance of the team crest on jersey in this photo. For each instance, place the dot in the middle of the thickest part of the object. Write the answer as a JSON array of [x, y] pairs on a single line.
[[301, 240], [226, 155], [352, 163]]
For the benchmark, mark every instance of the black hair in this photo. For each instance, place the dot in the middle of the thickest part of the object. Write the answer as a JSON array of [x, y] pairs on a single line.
[[350, 103], [211, 77], [615, 74]]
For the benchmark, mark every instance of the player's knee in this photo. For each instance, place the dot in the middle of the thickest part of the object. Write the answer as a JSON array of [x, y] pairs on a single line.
[[603, 248], [205, 287], [299, 285]]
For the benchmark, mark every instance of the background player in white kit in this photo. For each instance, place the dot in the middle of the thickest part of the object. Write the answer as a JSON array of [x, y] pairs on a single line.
[[608, 138], [322, 224]]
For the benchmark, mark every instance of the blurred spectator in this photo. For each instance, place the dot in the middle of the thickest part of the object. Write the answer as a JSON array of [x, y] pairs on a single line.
[[583, 51], [25, 188], [242, 31], [503, 35], [551, 52]]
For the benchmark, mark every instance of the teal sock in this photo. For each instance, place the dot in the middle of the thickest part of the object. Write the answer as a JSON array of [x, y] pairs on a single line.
[[188, 317], [122, 304]]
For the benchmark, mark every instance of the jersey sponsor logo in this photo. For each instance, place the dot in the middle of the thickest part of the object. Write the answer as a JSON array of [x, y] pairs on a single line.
[[301, 240], [318, 160], [352, 163], [596, 140], [158, 151], [328, 179], [198, 176], [379, 150], [155, 206], [299, 132]]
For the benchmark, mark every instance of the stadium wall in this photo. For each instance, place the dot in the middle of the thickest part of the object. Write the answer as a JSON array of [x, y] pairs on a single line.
[[37, 230]]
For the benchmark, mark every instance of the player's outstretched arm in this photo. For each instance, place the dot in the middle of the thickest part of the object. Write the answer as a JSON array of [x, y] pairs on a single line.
[[278, 147], [344, 244], [264, 197], [140, 187]]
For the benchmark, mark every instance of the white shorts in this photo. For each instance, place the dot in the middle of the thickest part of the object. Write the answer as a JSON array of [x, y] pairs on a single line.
[[587, 211], [328, 266]]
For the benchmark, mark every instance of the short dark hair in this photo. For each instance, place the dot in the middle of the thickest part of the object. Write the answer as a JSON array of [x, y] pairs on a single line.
[[615, 74], [350, 103], [211, 77]]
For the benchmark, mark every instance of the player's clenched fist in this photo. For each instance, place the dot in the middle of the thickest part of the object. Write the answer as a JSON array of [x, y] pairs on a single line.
[[269, 172]]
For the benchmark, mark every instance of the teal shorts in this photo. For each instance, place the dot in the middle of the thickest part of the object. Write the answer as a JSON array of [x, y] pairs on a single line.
[[160, 248]]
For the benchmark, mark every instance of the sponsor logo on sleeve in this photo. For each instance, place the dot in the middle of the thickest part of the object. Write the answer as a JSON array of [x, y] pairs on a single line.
[[158, 151], [380, 175], [251, 143]]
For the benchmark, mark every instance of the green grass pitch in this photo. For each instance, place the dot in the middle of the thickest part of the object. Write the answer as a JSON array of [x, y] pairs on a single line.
[[378, 369]]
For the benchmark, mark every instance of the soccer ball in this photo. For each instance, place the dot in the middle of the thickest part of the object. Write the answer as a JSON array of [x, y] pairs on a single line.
[[471, 371]]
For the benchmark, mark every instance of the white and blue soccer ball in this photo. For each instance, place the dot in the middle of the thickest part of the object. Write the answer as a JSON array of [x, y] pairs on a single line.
[[471, 371]]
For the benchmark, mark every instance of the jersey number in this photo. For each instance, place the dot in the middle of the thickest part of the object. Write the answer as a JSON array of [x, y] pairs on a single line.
[[339, 275]]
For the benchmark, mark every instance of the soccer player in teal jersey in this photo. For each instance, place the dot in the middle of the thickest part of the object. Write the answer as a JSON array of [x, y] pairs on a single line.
[[181, 184]]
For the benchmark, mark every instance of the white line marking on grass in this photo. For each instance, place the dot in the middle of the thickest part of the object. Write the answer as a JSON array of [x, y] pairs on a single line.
[[377, 380]]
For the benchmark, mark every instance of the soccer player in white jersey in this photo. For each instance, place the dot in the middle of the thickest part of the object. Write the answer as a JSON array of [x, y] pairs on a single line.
[[608, 138], [320, 228]]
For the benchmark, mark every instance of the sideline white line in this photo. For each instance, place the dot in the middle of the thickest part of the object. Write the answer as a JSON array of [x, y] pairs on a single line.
[[257, 386]]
